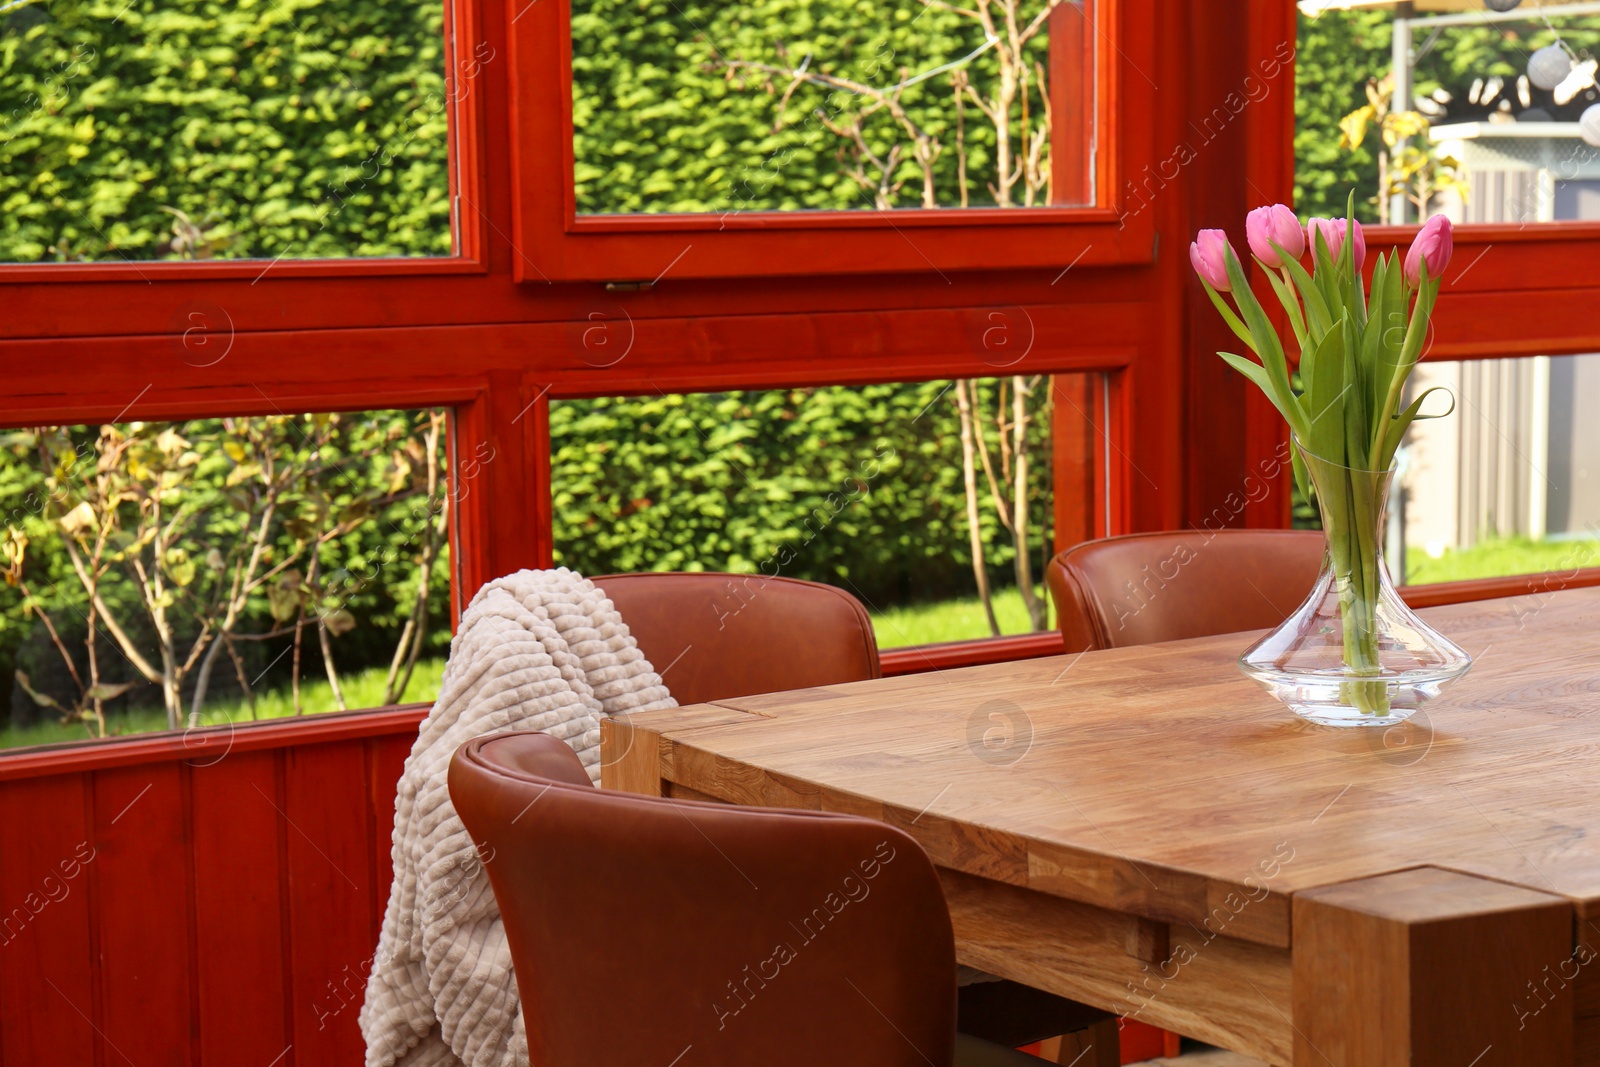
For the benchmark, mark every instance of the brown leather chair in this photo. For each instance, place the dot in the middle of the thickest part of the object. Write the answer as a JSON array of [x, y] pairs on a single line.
[[1142, 588], [713, 636], [643, 928]]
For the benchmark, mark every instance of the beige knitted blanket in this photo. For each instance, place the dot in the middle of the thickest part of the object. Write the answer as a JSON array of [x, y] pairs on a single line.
[[537, 650]]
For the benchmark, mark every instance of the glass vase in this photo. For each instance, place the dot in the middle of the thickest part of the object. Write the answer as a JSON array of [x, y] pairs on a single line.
[[1353, 654]]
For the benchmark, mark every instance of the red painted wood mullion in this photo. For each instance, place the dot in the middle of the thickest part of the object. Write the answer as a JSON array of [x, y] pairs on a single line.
[[280, 773], [191, 912]]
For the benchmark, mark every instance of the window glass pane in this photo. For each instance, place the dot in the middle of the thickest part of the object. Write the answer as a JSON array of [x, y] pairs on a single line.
[[862, 487], [202, 129], [1487, 130], [165, 575], [1509, 483], [830, 104]]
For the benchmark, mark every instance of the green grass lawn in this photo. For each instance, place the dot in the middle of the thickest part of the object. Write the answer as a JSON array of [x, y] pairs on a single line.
[[361, 690], [949, 620], [1495, 559]]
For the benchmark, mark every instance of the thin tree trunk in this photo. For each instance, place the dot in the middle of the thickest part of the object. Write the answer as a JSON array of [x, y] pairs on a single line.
[[171, 695], [1001, 507], [98, 703], [55, 636], [202, 682], [969, 474], [294, 671], [393, 687], [415, 631], [413, 636], [238, 670], [91, 586], [1039, 168], [328, 665], [1019, 522], [244, 583], [959, 80], [999, 111]]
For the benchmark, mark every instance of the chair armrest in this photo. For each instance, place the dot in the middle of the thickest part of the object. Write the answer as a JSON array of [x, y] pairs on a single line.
[[974, 1052]]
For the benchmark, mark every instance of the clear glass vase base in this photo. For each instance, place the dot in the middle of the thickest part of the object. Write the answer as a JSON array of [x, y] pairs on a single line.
[[1331, 701]]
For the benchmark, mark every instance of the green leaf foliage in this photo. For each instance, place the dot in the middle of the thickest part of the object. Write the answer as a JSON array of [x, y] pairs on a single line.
[[158, 129], [856, 486], [661, 123]]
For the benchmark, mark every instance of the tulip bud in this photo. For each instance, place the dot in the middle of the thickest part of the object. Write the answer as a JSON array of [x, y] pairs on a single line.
[[1278, 225], [1434, 245], [1333, 232], [1208, 254]]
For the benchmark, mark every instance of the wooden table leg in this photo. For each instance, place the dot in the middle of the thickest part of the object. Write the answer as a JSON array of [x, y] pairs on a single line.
[[1431, 968], [1097, 1046], [630, 758]]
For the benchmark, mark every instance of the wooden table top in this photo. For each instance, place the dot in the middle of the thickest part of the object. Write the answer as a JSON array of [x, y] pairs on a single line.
[[1158, 781]]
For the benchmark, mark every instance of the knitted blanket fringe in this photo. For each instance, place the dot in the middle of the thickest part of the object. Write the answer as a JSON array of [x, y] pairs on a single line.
[[536, 650]]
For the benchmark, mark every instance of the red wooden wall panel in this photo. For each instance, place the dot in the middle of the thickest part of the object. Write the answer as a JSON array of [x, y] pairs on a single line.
[[207, 904], [239, 932], [388, 760], [49, 988], [146, 901], [326, 806]]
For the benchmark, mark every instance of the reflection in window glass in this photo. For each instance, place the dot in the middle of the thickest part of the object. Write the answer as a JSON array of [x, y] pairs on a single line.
[[199, 129], [1509, 483], [1464, 130], [823, 104], [869, 488], [162, 575]]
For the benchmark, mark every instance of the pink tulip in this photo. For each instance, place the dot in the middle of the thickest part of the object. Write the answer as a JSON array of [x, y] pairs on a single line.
[[1434, 245], [1278, 225], [1208, 253], [1333, 232]]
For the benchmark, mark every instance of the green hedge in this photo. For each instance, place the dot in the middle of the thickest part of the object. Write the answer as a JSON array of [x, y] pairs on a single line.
[[312, 128], [307, 128], [858, 486], [661, 125]]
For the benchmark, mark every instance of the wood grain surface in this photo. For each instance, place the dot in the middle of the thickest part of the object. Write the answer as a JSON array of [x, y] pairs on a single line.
[[1160, 787]]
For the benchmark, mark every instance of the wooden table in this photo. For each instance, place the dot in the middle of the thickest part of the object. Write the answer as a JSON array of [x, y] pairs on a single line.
[[1145, 830]]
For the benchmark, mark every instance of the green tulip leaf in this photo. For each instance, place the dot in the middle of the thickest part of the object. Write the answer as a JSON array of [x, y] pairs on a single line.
[[1402, 422], [1228, 316], [1251, 370], [1325, 396], [1266, 345], [1317, 318], [1286, 296]]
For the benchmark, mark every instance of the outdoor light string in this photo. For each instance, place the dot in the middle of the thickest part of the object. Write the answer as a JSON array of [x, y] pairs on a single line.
[[1553, 67]]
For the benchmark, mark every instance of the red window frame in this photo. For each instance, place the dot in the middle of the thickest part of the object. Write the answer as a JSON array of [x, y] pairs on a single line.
[[563, 245], [82, 342]]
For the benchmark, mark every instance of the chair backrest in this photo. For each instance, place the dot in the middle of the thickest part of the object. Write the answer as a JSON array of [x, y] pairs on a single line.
[[640, 927], [1143, 588], [714, 636]]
